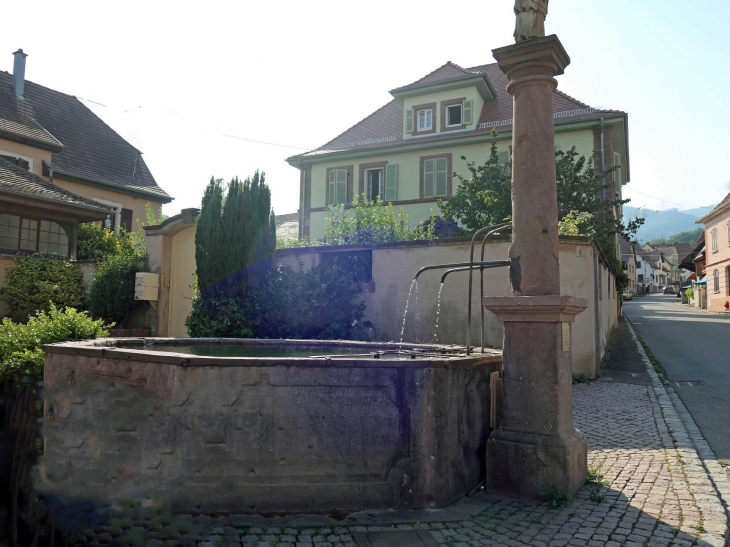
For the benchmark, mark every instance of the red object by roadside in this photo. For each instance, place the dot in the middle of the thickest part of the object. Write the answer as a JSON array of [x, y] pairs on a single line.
[[727, 305]]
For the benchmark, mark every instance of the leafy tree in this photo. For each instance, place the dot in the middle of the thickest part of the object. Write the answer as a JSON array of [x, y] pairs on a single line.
[[111, 296], [96, 242], [485, 198]]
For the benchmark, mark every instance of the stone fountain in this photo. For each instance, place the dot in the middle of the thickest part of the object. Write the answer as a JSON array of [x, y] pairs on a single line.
[[536, 445]]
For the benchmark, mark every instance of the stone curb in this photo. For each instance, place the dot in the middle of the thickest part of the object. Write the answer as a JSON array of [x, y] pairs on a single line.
[[703, 310], [700, 463]]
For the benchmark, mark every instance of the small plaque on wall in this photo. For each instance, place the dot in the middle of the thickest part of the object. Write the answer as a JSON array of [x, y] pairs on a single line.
[[566, 336]]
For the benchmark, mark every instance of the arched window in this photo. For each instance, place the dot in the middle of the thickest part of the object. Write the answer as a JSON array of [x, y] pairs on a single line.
[[716, 275]]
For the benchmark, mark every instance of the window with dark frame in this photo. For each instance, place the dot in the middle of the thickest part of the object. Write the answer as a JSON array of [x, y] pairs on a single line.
[[21, 234], [425, 120], [338, 187], [435, 178], [16, 160], [374, 184]]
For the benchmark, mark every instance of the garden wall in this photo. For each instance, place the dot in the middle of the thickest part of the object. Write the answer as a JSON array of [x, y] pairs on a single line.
[[584, 271]]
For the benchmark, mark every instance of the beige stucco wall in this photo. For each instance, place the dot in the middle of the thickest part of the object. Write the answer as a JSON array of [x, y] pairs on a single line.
[[181, 278], [136, 204], [409, 173], [36, 156], [393, 270], [718, 259]]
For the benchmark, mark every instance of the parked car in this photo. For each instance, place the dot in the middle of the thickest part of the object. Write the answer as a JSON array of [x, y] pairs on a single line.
[[628, 295], [669, 289]]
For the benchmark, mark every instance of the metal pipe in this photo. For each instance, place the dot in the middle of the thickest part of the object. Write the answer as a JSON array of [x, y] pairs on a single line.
[[481, 292], [471, 271], [442, 266], [482, 266]]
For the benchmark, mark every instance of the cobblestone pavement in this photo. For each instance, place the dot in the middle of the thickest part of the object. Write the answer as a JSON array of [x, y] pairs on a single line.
[[647, 487]]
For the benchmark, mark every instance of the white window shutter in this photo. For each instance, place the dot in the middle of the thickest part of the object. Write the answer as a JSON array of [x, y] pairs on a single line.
[[409, 121], [468, 109], [368, 185], [332, 188], [428, 178], [341, 186], [391, 182], [441, 177]]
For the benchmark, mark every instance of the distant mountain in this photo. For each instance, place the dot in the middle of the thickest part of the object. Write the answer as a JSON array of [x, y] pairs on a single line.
[[665, 223]]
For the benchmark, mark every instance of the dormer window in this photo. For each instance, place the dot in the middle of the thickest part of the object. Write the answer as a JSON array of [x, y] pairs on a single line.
[[425, 120], [453, 115]]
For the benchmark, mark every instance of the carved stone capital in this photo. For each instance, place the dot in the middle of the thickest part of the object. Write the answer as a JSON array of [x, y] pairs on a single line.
[[540, 55], [535, 309]]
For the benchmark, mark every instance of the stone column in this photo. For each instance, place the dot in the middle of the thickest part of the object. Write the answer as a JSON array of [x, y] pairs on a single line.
[[536, 444]]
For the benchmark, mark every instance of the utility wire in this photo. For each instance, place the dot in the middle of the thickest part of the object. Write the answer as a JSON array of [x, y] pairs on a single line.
[[654, 197], [268, 143]]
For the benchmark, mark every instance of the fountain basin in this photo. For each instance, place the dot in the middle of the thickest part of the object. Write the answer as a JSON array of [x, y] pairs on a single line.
[[319, 427]]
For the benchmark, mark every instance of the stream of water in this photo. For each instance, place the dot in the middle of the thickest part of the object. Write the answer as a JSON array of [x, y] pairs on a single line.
[[438, 314], [405, 312]]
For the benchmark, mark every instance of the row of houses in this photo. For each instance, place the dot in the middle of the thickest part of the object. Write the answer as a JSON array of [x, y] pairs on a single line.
[[710, 260], [650, 268]]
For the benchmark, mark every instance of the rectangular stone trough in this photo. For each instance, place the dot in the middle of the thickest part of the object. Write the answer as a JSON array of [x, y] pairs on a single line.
[[263, 434]]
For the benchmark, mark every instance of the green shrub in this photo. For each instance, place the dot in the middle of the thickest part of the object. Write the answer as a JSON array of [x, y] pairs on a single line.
[[112, 288], [97, 242], [368, 222], [21, 352], [36, 282], [690, 293], [318, 304]]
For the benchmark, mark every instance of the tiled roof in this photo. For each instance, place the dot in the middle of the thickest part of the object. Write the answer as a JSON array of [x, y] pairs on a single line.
[[82, 144], [625, 246], [19, 181], [683, 249], [384, 127], [720, 206]]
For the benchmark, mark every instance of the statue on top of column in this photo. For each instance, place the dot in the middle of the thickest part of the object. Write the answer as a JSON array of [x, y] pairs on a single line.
[[531, 16]]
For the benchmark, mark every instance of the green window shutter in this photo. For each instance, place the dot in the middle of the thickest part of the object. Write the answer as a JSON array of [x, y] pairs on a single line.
[[332, 188], [391, 182], [341, 180], [441, 177], [409, 121], [468, 109], [428, 178]]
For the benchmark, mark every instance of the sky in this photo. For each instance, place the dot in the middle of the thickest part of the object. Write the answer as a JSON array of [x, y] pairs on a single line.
[[186, 82]]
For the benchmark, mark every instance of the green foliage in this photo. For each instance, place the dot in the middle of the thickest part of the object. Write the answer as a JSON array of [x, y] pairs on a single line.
[[97, 242], [37, 282], [580, 379], [690, 293], [571, 223], [112, 289], [581, 189], [371, 222], [554, 496], [306, 241], [596, 482], [21, 353], [690, 236], [236, 232], [485, 198], [317, 304]]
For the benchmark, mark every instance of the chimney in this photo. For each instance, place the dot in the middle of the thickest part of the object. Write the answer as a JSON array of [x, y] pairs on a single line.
[[19, 73]]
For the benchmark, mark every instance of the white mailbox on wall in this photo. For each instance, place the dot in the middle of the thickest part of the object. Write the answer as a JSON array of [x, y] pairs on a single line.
[[146, 286]]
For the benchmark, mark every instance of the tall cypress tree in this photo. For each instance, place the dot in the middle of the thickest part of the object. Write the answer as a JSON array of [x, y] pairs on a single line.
[[235, 237]]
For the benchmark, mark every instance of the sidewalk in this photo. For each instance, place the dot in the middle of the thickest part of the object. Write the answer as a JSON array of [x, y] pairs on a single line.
[[657, 493]]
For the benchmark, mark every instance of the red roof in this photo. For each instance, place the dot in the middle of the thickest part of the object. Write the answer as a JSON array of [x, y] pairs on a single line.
[[384, 127]]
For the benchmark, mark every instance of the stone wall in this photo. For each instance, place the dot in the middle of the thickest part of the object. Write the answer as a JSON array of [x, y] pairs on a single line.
[[261, 436]]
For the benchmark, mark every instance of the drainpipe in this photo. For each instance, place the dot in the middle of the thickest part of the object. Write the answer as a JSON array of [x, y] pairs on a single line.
[[596, 310]]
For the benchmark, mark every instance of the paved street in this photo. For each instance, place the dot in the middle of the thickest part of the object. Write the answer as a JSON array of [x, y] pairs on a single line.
[[691, 345]]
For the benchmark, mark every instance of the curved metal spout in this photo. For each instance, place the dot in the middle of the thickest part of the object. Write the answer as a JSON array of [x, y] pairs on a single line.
[[481, 280], [442, 266], [481, 265]]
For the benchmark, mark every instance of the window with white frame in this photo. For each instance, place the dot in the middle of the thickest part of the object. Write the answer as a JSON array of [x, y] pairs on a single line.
[[435, 178], [373, 184], [714, 239], [338, 187], [425, 120], [454, 115]]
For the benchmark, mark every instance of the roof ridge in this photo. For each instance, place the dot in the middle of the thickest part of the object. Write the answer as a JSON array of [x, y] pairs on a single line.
[[353, 125], [447, 63]]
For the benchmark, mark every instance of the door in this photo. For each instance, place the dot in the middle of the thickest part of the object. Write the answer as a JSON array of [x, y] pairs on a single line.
[[182, 275]]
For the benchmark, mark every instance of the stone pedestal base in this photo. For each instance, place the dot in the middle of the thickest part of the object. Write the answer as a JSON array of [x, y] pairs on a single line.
[[526, 464]]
